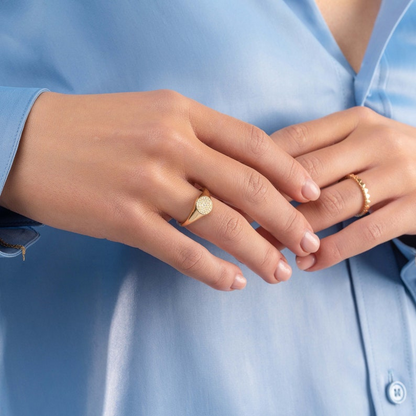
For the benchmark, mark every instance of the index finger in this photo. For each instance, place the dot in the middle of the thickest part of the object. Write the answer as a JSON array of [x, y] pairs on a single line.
[[303, 138], [252, 146]]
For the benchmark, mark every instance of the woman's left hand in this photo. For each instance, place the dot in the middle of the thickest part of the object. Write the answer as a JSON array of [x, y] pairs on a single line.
[[381, 152]]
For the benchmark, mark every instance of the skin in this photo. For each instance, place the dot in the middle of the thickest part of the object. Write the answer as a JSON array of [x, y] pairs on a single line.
[[351, 23], [379, 150], [382, 152], [120, 166]]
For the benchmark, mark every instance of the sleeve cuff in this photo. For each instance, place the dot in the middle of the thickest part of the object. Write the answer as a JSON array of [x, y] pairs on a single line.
[[15, 105], [24, 237]]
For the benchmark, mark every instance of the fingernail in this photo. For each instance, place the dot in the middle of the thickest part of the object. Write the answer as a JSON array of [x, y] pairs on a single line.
[[239, 282], [310, 242], [311, 190], [305, 263], [283, 271]]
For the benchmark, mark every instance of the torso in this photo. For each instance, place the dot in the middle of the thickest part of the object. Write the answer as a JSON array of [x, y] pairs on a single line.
[[89, 326], [351, 23]]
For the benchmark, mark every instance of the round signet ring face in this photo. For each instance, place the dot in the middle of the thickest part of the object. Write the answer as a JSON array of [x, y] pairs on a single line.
[[202, 206]]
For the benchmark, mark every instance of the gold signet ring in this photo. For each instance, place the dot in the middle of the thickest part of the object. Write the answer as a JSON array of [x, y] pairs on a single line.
[[202, 206]]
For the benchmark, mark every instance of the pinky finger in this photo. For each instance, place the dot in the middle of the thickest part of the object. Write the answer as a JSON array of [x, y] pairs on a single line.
[[382, 225], [189, 257]]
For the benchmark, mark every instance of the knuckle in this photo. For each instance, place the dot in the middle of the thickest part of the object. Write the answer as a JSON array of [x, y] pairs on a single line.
[[373, 232], [153, 179], [312, 164], [290, 173], [190, 259], [269, 262], [256, 187], [178, 144], [333, 251], [169, 98], [169, 103], [298, 135], [387, 133], [388, 141], [232, 230], [409, 166], [138, 179], [332, 203], [292, 222], [223, 280], [163, 139], [259, 142], [363, 113]]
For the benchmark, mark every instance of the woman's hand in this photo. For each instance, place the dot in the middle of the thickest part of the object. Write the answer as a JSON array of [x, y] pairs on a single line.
[[120, 166], [382, 153]]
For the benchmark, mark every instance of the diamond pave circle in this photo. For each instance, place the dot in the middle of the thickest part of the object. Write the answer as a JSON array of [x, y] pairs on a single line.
[[204, 205]]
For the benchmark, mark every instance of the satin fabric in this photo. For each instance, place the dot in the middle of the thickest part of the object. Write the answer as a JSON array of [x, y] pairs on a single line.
[[91, 327]]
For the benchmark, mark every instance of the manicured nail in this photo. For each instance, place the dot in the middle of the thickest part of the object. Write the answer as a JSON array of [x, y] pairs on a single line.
[[239, 282], [311, 190], [283, 271], [305, 263], [310, 242]]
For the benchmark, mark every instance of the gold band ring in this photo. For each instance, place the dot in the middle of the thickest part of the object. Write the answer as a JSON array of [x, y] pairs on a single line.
[[202, 206], [364, 191]]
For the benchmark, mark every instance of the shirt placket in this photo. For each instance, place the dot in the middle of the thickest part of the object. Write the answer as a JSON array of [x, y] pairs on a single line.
[[378, 286]]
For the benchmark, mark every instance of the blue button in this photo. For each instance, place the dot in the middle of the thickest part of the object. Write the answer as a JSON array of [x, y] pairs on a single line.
[[396, 392]]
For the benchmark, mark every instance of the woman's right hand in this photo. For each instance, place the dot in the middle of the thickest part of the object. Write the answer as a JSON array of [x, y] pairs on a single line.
[[120, 166]]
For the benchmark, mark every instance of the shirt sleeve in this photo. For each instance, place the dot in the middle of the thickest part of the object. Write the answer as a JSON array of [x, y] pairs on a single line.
[[16, 232]]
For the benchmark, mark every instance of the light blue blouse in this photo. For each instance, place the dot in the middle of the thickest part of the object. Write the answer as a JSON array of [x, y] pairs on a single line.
[[91, 327]]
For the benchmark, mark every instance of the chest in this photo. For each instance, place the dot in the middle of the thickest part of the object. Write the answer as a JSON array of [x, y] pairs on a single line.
[[266, 62], [351, 23]]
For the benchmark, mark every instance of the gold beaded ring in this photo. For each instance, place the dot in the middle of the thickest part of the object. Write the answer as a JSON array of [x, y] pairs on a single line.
[[364, 191], [202, 206]]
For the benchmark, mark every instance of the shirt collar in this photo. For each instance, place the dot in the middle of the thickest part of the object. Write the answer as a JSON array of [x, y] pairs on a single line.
[[390, 14]]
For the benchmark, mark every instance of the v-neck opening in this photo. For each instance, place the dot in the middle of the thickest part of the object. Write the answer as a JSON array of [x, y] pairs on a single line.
[[326, 28], [388, 17], [310, 14]]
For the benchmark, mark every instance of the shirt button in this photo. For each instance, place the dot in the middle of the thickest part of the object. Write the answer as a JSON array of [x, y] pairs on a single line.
[[396, 392]]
